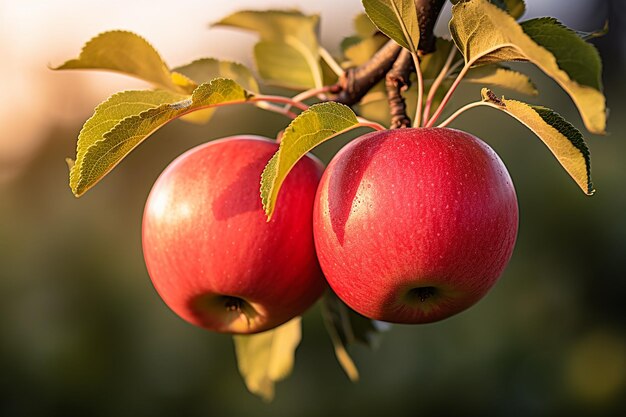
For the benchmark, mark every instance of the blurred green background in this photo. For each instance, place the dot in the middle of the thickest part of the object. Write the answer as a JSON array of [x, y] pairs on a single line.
[[82, 331]]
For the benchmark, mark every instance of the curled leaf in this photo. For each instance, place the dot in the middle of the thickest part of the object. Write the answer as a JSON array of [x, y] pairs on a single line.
[[317, 124], [564, 141], [397, 19], [125, 120], [288, 52], [268, 357], [485, 34], [127, 53]]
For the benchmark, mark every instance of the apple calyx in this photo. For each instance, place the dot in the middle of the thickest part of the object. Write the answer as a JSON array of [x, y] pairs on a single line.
[[422, 293], [231, 312]]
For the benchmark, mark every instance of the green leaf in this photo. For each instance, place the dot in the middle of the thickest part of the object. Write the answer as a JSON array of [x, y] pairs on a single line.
[[502, 77], [485, 34], [364, 26], [397, 19], [110, 113], [564, 140], [288, 54], [515, 8], [363, 50], [346, 327], [329, 76], [374, 105], [576, 57], [126, 119], [349, 41], [595, 34], [127, 53], [317, 124], [268, 357], [283, 65], [431, 64], [206, 69]]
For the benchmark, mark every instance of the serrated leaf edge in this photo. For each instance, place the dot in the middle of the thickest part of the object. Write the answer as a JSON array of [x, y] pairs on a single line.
[[269, 200], [577, 142], [78, 170], [171, 85]]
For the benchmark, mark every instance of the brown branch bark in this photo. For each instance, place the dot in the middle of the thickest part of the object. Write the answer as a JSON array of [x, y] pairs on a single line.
[[357, 81], [396, 82], [391, 63], [427, 14]]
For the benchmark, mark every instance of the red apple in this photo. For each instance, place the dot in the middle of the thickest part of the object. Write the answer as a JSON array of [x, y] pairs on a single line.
[[209, 250], [414, 225]]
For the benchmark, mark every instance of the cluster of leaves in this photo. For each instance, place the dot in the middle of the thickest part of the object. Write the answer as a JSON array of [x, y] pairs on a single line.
[[485, 35]]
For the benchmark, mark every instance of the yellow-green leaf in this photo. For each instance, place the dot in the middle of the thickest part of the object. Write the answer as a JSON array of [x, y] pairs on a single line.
[[184, 82], [268, 357], [576, 57], [283, 65], [564, 140], [126, 119], [486, 34], [397, 19], [502, 77], [360, 52], [111, 112], [364, 26], [127, 53], [329, 76], [289, 39], [346, 327], [374, 105], [317, 124], [206, 69], [516, 8], [431, 64], [594, 34]]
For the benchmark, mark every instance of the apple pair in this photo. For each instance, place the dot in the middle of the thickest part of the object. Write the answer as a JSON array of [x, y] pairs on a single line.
[[410, 226]]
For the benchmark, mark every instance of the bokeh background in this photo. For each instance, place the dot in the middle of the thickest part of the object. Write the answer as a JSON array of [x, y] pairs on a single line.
[[82, 331]]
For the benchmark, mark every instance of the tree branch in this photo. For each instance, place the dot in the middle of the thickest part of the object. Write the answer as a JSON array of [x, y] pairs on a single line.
[[357, 81], [397, 81], [427, 13], [391, 63]]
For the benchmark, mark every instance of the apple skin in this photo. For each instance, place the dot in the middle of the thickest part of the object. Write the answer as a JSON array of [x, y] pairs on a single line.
[[209, 250], [414, 225]]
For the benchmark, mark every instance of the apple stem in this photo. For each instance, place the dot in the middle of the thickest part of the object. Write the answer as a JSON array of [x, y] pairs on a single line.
[[279, 99], [443, 74], [285, 111], [320, 93], [446, 98], [368, 123], [420, 91], [465, 108], [332, 63], [314, 92]]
